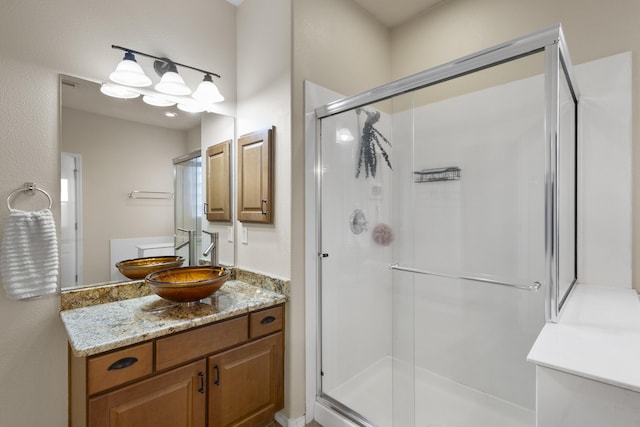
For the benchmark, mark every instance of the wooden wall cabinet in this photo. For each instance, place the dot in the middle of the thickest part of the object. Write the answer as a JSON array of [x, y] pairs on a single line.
[[256, 176], [229, 373], [218, 198]]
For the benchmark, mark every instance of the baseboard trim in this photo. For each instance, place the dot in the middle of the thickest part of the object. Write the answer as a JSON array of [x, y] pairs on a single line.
[[287, 422]]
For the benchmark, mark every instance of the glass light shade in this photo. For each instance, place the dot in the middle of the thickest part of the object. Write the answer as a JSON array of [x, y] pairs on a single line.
[[129, 73], [207, 91], [157, 101], [117, 91], [190, 108], [172, 84]]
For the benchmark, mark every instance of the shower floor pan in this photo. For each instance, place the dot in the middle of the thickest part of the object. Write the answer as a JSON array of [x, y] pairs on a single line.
[[440, 402]]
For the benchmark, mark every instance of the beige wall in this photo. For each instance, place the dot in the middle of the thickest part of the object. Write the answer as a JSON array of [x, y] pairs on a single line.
[[337, 45], [33, 349], [114, 152], [37, 42], [264, 100]]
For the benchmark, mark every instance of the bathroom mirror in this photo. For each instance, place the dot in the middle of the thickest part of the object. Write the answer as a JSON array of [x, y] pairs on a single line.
[[121, 161]]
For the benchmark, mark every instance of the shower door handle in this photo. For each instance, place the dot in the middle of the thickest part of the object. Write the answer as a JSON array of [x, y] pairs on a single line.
[[534, 287]]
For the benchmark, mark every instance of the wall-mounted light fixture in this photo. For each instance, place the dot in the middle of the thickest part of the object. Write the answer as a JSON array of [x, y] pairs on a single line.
[[131, 81]]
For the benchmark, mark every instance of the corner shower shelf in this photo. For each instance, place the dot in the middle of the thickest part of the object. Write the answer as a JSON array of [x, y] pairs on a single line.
[[451, 173]]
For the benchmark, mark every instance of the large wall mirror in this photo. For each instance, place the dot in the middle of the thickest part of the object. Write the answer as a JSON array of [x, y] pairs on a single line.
[[132, 180]]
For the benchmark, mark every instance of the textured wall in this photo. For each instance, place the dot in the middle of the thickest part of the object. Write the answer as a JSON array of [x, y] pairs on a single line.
[[33, 350]]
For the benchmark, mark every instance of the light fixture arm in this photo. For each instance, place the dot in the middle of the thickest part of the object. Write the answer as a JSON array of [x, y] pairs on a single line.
[[164, 60]]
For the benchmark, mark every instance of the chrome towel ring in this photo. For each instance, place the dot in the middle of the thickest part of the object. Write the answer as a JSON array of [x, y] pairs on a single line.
[[30, 189]]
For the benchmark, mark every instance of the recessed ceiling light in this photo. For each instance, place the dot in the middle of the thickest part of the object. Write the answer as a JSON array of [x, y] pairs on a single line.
[[170, 113]]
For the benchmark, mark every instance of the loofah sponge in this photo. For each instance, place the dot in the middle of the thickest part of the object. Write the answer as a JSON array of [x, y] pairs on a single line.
[[382, 234]]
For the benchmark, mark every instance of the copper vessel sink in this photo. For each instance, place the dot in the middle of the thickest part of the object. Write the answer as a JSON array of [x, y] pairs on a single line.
[[138, 268], [187, 284]]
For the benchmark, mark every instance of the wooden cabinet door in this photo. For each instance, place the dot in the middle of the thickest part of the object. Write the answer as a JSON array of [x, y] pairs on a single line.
[[176, 398], [255, 177], [246, 384], [218, 188]]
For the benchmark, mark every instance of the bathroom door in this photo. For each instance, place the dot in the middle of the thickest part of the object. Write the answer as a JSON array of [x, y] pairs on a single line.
[[188, 206]]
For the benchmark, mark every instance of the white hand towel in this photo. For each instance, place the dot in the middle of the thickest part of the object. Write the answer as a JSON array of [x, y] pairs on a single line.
[[29, 254]]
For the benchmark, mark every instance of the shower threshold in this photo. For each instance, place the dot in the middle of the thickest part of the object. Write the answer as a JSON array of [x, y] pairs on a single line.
[[439, 401]]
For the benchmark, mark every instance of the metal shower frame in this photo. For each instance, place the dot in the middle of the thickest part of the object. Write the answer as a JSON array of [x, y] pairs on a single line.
[[558, 65]]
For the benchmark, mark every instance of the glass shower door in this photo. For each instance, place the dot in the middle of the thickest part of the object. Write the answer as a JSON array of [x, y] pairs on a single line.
[[357, 374], [188, 207], [418, 194], [441, 213], [470, 207], [70, 220]]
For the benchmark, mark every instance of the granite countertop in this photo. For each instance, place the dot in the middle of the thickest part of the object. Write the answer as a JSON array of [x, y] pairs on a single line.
[[103, 327]]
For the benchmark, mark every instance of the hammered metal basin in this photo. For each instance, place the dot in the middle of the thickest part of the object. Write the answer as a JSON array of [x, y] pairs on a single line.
[[139, 268], [187, 284]]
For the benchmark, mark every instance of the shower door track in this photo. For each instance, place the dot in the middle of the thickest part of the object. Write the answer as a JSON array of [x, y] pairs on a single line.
[[534, 287], [506, 52]]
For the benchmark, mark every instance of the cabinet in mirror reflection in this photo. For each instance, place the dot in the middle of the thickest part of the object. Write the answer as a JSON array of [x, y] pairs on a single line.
[[218, 205]]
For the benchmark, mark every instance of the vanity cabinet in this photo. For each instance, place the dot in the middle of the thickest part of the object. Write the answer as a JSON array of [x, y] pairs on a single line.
[[247, 382], [218, 207], [256, 177], [226, 373], [175, 398]]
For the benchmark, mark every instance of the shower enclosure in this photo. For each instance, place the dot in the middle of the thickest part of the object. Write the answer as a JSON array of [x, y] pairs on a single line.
[[187, 182], [444, 207]]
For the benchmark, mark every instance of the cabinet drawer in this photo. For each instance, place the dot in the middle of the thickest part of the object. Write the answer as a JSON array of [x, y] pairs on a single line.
[[265, 322], [185, 346], [119, 367]]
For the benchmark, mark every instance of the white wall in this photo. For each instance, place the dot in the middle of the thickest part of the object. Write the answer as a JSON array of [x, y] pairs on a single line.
[[119, 156]]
